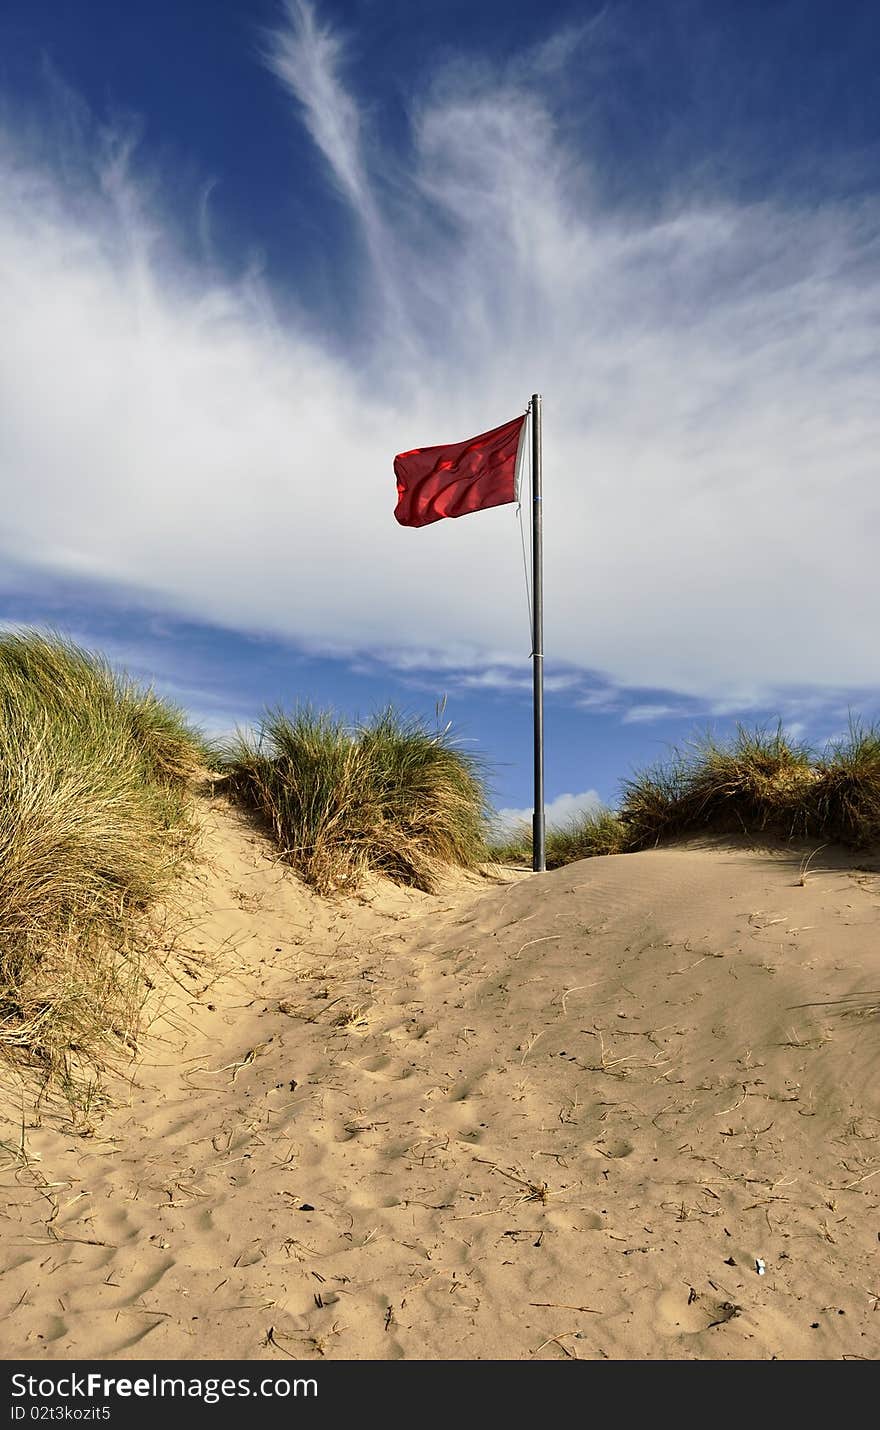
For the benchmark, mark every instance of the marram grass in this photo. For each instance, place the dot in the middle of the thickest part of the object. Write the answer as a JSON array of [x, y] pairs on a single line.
[[389, 796], [583, 837], [759, 782], [94, 829], [96, 823]]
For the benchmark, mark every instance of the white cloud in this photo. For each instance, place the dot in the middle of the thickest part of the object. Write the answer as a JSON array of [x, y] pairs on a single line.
[[560, 812], [307, 58], [646, 714], [712, 511], [493, 678]]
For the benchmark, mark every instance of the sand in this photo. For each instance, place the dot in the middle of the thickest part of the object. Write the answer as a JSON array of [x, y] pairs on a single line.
[[625, 1110]]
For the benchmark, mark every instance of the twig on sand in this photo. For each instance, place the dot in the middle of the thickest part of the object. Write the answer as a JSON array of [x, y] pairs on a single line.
[[677, 972], [847, 1186], [578, 988], [558, 1340], [271, 1340], [530, 1043], [608, 1065], [244, 1062], [533, 1191], [80, 1241], [807, 861], [547, 938], [734, 1105]]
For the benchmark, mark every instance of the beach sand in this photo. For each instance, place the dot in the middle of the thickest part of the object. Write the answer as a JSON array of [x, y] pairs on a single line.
[[628, 1110]]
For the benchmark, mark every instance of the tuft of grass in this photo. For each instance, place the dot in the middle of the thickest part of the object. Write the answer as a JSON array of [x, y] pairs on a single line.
[[514, 848], [94, 827], [389, 796], [846, 796], [585, 838], [759, 782]]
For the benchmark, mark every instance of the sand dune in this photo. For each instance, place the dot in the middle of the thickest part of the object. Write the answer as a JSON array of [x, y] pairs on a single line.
[[623, 1110]]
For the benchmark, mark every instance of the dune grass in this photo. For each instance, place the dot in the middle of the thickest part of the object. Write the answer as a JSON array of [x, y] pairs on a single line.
[[389, 796], [585, 837], [94, 828], [96, 822], [759, 782], [845, 800]]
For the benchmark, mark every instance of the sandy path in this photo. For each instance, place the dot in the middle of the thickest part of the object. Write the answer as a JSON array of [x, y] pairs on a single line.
[[564, 1117]]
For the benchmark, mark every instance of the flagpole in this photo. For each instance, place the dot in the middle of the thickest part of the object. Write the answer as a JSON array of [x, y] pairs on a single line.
[[538, 833]]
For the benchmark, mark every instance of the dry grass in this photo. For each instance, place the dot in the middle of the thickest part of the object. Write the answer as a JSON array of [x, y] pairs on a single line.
[[595, 834], [584, 838], [389, 796], [94, 827], [758, 782], [846, 797]]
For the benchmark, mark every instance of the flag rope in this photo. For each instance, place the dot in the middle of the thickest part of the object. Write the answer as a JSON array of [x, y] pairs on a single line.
[[522, 533]]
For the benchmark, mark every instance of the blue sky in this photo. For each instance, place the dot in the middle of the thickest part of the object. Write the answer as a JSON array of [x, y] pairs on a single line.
[[248, 251]]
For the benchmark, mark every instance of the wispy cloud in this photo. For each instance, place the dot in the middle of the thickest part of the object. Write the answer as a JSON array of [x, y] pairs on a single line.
[[508, 680], [309, 59], [647, 714], [558, 813], [710, 379]]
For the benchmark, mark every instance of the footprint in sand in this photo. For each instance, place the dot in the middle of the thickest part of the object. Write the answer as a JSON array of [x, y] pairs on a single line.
[[683, 1311], [384, 1069], [565, 1220], [615, 1147], [375, 1065], [467, 1086], [138, 1289], [410, 1032]]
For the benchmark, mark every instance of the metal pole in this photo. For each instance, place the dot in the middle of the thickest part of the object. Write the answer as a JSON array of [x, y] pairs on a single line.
[[538, 842]]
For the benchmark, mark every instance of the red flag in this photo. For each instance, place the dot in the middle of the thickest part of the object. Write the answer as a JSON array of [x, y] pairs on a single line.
[[433, 482]]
